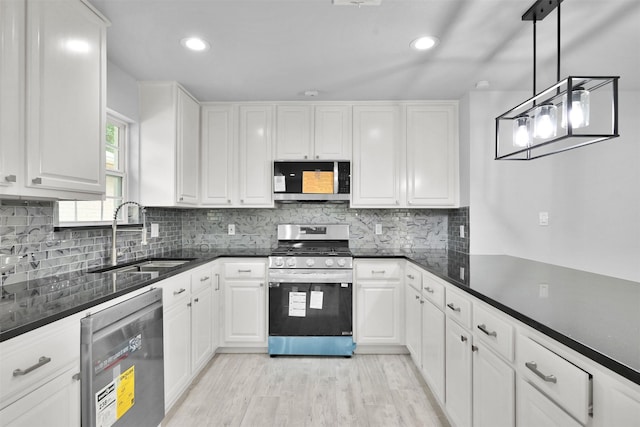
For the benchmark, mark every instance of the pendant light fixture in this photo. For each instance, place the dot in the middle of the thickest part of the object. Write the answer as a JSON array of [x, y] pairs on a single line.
[[574, 112]]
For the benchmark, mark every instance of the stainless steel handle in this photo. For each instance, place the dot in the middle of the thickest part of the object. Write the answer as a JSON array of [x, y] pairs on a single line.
[[36, 180], [411, 276], [179, 292], [417, 297], [41, 362], [228, 201], [533, 366], [463, 338], [483, 328], [189, 304], [244, 271], [241, 200], [428, 289], [421, 301], [217, 282], [181, 198], [261, 285], [195, 300], [317, 156], [10, 178], [474, 348], [205, 278], [378, 271], [453, 307]]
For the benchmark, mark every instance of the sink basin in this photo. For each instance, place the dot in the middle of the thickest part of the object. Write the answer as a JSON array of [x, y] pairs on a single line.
[[152, 266]]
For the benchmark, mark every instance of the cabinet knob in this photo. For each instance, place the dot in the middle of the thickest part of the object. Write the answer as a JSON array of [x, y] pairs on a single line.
[[474, 348], [411, 276], [228, 201], [189, 304], [37, 180], [10, 178], [417, 297], [463, 338], [241, 200], [421, 301], [195, 300], [305, 157], [317, 157], [181, 198], [261, 285]]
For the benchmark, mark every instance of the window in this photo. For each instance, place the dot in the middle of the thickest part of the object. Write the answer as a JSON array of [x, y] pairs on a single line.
[[97, 212]]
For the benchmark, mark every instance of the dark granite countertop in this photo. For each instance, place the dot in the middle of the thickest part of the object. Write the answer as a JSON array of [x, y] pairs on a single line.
[[598, 316]]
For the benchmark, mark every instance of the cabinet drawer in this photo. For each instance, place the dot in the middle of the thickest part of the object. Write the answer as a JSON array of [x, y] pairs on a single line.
[[565, 383], [201, 278], [31, 359], [413, 277], [380, 270], [494, 330], [433, 290], [458, 307], [175, 289], [244, 270]]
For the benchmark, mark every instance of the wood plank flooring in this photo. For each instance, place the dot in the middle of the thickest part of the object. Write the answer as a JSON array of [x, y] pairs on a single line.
[[256, 390]]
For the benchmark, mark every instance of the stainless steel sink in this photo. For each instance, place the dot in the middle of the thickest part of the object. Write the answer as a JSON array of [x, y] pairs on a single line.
[[152, 266]]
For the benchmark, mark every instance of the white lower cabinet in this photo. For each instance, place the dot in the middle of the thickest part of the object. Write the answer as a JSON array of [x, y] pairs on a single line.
[[245, 304], [535, 410], [413, 326], [493, 389], [201, 317], [379, 302], [433, 349], [458, 374]]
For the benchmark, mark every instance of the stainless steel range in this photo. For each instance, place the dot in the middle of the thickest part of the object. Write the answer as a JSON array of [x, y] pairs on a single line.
[[311, 291]]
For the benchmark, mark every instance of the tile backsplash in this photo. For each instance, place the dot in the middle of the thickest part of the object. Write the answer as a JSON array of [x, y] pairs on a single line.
[[27, 230]]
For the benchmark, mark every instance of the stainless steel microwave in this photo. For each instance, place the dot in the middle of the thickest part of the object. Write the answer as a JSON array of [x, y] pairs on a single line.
[[297, 180]]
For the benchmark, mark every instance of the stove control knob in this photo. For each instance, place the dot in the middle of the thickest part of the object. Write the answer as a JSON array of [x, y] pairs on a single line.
[[328, 262], [310, 262], [342, 262], [278, 262], [291, 262]]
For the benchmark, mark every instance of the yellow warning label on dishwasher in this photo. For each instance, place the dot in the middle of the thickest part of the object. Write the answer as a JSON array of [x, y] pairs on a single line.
[[126, 391]]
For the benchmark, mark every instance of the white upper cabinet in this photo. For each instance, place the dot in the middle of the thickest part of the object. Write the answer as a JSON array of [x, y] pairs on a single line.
[[377, 150], [313, 132], [432, 155], [169, 145], [218, 157], [52, 91], [255, 157]]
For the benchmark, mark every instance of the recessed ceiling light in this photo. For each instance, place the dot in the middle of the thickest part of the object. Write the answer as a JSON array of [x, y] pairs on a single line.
[[424, 43], [195, 43]]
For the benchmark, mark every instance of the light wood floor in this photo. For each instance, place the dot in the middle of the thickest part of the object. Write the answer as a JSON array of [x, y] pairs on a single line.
[[256, 390]]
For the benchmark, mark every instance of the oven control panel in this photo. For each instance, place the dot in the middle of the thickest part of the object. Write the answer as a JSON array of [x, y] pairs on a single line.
[[310, 262]]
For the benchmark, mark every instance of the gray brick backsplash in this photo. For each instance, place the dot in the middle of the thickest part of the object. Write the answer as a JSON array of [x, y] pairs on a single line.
[[27, 229]]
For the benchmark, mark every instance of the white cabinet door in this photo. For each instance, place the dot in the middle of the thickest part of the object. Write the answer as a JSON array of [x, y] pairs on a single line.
[[216, 303], [378, 308], [433, 346], [332, 132], [56, 403], [188, 143], [413, 326], [458, 374], [535, 410], [294, 132], [201, 323], [218, 160], [256, 158], [65, 105], [377, 150], [245, 312], [432, 155], [177, 350], [169, 140], [11, 95], [494, 390]]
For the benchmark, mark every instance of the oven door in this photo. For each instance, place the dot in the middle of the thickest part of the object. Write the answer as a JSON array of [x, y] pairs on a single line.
[[306, 309]]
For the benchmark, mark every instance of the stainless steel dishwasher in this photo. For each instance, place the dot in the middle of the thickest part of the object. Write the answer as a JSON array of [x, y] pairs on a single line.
[[123, 364]]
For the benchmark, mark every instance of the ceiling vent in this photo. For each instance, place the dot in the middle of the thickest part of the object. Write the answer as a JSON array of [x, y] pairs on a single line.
[[357, 2]]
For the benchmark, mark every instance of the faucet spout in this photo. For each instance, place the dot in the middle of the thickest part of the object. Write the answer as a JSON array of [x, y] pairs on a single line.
[[114, 229]]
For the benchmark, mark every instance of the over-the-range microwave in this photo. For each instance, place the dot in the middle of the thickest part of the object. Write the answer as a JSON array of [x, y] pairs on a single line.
[[313, 180]]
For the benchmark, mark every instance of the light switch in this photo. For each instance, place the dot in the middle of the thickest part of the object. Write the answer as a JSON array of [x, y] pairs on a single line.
[[155, 230], [543, 218], [378, 228]]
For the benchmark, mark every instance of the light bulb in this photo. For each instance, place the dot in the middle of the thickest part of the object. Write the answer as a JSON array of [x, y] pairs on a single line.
[[579, 115], [522, 131], [545, 121]]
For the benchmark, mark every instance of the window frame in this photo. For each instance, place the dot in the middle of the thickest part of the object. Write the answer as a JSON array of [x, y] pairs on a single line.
[[124, 124]]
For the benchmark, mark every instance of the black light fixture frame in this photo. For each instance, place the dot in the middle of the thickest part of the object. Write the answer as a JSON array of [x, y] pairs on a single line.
[[537, 12]]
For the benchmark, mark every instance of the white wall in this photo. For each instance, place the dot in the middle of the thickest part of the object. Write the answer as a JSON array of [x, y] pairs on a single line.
[[592, 195]]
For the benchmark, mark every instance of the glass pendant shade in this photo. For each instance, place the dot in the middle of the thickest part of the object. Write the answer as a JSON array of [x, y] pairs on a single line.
[[579, 112], [545, 121], [522, 131]]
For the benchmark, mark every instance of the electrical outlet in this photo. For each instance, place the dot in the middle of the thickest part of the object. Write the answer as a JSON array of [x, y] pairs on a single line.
[[543, 290], [543, 218], [231, 230], [155, 230], [462, 231], [378, 228]]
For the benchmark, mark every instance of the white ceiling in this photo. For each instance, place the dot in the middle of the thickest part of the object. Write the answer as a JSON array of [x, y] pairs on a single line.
[[265, 50]]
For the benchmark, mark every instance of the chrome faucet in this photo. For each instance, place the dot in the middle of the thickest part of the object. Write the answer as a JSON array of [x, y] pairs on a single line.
[[114, 229]]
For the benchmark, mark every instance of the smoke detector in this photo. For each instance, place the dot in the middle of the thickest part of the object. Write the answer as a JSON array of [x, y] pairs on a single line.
[[357, 2]]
